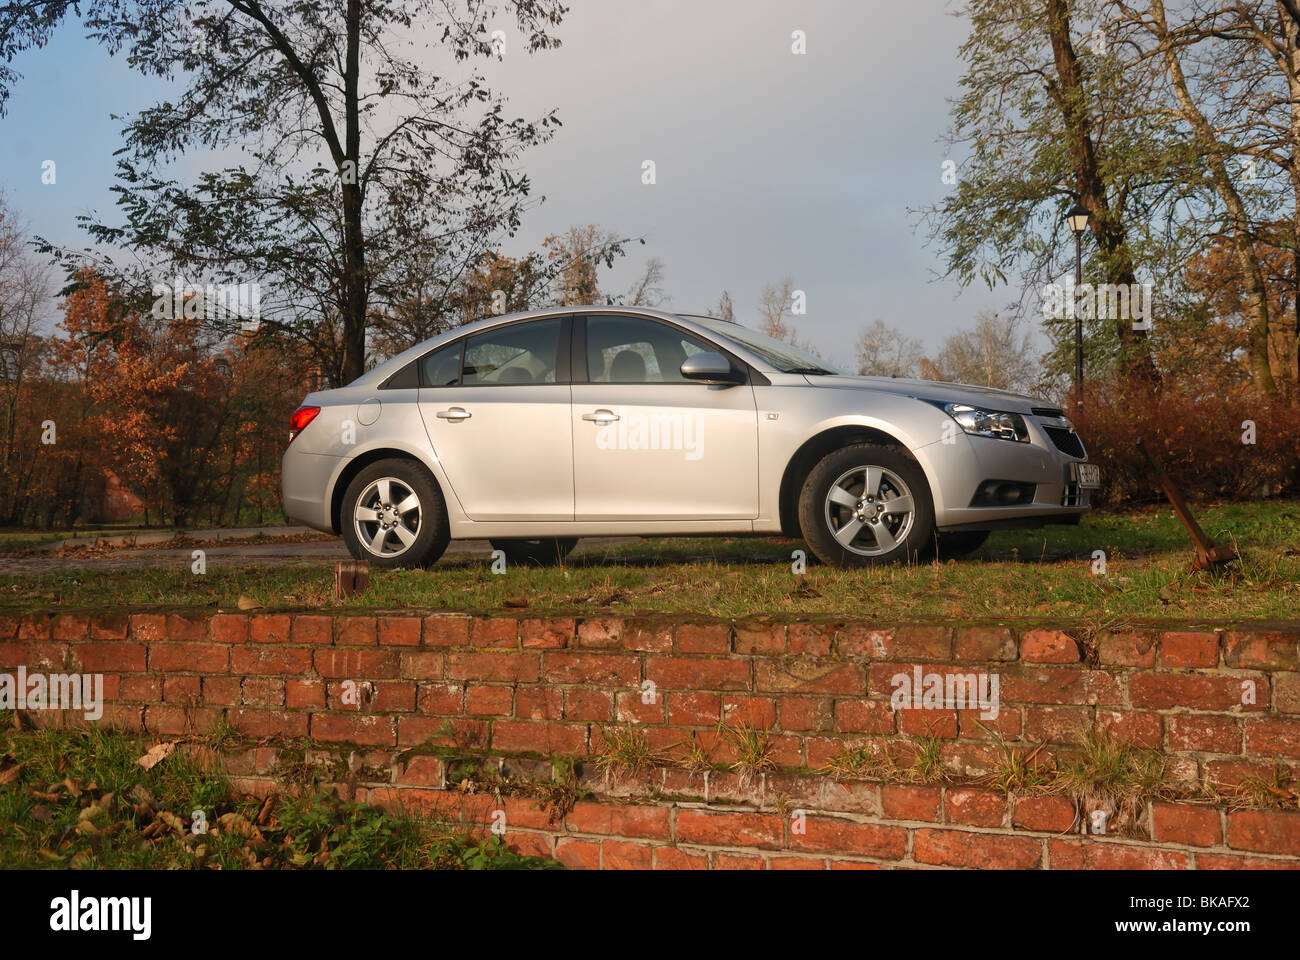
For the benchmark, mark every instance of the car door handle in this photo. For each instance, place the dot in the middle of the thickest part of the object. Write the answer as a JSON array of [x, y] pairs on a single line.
[[455, 413], [601, 416]]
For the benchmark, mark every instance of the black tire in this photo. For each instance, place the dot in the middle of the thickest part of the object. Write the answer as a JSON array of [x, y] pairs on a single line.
[[546, 552], [901, 537], [405, 478], [959, 543]]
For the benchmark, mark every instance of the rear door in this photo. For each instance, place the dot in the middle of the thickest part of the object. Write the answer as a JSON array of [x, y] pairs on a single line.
[[497, 407], [648, 444]]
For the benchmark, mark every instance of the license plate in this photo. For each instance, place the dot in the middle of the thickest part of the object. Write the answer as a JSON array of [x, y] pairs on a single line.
[[1089, 475]]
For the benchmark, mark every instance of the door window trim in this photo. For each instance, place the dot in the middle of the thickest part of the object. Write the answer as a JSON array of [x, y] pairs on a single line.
[[581, 360], [563, 356]]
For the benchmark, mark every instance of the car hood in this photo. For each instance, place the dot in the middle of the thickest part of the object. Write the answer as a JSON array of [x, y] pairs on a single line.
[[989, 397]]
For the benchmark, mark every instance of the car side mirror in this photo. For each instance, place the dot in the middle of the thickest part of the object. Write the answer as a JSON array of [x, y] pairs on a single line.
[[708, 367]]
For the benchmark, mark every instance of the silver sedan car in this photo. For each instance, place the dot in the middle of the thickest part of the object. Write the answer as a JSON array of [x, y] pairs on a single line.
[[534, 429]]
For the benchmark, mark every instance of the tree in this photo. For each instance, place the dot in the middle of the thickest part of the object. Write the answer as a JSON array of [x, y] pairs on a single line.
[[372, 175], [997, 353], [883, 351]]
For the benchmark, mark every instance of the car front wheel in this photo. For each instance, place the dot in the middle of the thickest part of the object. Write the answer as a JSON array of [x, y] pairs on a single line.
[[394, 516], [866, 504]]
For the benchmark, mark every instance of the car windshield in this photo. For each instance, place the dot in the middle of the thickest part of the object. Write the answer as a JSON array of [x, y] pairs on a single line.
[[781, 355]]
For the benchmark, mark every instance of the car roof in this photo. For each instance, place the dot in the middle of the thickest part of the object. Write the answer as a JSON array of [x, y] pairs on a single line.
[[384, 369]]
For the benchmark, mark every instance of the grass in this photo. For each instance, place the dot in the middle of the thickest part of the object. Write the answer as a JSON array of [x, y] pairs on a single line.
[[1030, 574], [79, 799]]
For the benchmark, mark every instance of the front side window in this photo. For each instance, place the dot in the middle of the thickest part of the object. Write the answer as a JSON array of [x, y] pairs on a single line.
[[637, 350], [518, 353]]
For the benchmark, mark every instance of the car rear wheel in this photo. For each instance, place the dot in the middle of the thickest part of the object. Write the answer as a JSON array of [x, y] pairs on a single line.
[[546, 552], [866, 504], [394, 516]]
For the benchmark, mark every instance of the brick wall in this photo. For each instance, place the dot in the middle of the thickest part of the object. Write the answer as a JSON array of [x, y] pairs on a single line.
[[514, 693]]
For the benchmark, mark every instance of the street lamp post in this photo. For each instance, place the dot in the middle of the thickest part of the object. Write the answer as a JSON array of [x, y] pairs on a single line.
[[1077, 217]]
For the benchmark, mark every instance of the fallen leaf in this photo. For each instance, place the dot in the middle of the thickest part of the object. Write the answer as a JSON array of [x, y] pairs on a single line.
[[157, 754], [248, 603], [10, 775]]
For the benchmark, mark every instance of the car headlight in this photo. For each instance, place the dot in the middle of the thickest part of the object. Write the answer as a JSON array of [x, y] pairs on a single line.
[[979, 422]]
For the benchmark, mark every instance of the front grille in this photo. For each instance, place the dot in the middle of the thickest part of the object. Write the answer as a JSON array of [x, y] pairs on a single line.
[[1067, 441]]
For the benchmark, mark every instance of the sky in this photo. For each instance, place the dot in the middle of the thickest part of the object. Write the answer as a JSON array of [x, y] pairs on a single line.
[[768, 164]]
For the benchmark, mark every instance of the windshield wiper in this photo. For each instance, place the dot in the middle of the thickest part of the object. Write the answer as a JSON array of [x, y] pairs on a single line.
[[810, 371]]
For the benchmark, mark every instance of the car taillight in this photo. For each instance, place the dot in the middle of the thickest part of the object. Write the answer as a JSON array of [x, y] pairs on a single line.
[[301, 417]]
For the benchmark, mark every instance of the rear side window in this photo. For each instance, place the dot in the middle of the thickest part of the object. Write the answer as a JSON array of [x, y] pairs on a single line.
[[518, 353], [405, 379], [442, 367]]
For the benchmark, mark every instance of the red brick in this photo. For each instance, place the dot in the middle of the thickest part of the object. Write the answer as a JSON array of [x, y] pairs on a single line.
[[413, 731], [181, 689], [1165, 691], [399, 631], [187, 626], [500, 633], [367, 729], [270, 660], [620, 855], [593, 705], [598, 669], [169, 719], [704, 638], [756, 637], [304, 693], [835, 836], [974, 806], [494, 701], [422, 664], [1265, 831], [1087, 855], [1048, 814], [442, 699], [694, 709], [222, 691], [9, 626], [761, 830], [37, 626], [630, 708], [109, 627], [921, 643], [986, 643], [268, 723], [670, 858], [550, 634], [1059, 685], [1286, 692], [1195, 826], [806, 713], [263, 692], [228, 628], [269, 628], [604, 632], [355, 663], [684, 673], [650, 636], [393, 696], [1260, 651], [807, 676], [795, 863], [1135, 727], [503, 667], [539, 703], [106, 656], [1189, 649], [1204, 733], [1057, 724], [312, 630], [1207, 861], [422, 770], [355, 632], [446, 630], [740, 710], [805, 639], [620, 820], [69, 626], [545, 737], [1135, 649], [928, 723], [1007, 724], [148, 688], [957, 848], [1273, 738], [860, 641], [864, 716], [733, 861], [1048, 646], [577, 854], [190, 657], [901, 802]]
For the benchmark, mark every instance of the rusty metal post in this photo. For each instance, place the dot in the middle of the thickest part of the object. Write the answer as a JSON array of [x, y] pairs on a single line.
[[1207, 553]]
